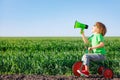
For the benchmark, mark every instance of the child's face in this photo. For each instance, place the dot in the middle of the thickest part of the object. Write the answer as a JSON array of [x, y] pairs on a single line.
[[95, 29]]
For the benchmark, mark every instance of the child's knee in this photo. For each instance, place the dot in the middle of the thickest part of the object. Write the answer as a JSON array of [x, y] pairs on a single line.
[[85, 56]]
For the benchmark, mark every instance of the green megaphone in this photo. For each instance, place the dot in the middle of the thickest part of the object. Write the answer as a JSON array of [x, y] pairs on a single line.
[[80, 25]]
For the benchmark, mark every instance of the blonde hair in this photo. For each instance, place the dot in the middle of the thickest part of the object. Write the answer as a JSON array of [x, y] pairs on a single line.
[[101, 27]]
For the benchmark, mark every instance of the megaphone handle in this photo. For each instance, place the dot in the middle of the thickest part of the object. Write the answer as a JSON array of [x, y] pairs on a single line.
[[82, 30]]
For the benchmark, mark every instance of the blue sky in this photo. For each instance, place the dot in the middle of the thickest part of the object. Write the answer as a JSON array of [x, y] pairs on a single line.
[[57, 17]]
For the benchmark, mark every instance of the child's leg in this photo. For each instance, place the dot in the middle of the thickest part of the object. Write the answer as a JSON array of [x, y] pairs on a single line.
[[84, 72], [85, 60], [87, 57], [86, 68]]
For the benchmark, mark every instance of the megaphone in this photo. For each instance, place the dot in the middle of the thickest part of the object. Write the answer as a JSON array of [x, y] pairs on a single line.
[[80, 25]]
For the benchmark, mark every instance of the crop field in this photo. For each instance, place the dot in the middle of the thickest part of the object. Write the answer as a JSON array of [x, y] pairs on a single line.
[[51, 55]]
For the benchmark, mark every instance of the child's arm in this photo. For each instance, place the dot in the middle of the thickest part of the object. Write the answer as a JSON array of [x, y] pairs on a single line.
[[84, 38], [101, 44]]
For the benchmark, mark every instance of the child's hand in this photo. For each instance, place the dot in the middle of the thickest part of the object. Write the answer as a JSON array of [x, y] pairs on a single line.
[[81, 31], [90, 48]]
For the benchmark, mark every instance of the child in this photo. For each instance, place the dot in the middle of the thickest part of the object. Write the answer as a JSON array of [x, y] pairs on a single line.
[[97, 42]]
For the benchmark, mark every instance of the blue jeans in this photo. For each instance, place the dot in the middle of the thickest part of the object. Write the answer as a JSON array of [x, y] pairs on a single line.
[[86, 58]]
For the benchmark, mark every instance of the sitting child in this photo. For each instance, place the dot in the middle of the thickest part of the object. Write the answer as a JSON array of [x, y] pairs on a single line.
[[97, 42]]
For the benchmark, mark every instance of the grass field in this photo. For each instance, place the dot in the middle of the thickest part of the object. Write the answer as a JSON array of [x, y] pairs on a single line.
[[51, 55]]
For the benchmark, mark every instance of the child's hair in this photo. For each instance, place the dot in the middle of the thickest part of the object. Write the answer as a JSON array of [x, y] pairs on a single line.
[[101, 27]]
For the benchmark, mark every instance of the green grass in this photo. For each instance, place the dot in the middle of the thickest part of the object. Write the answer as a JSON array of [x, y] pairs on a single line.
[[50, 55]]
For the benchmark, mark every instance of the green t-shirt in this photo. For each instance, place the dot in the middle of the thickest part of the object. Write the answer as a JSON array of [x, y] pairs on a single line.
[[95, 39]]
